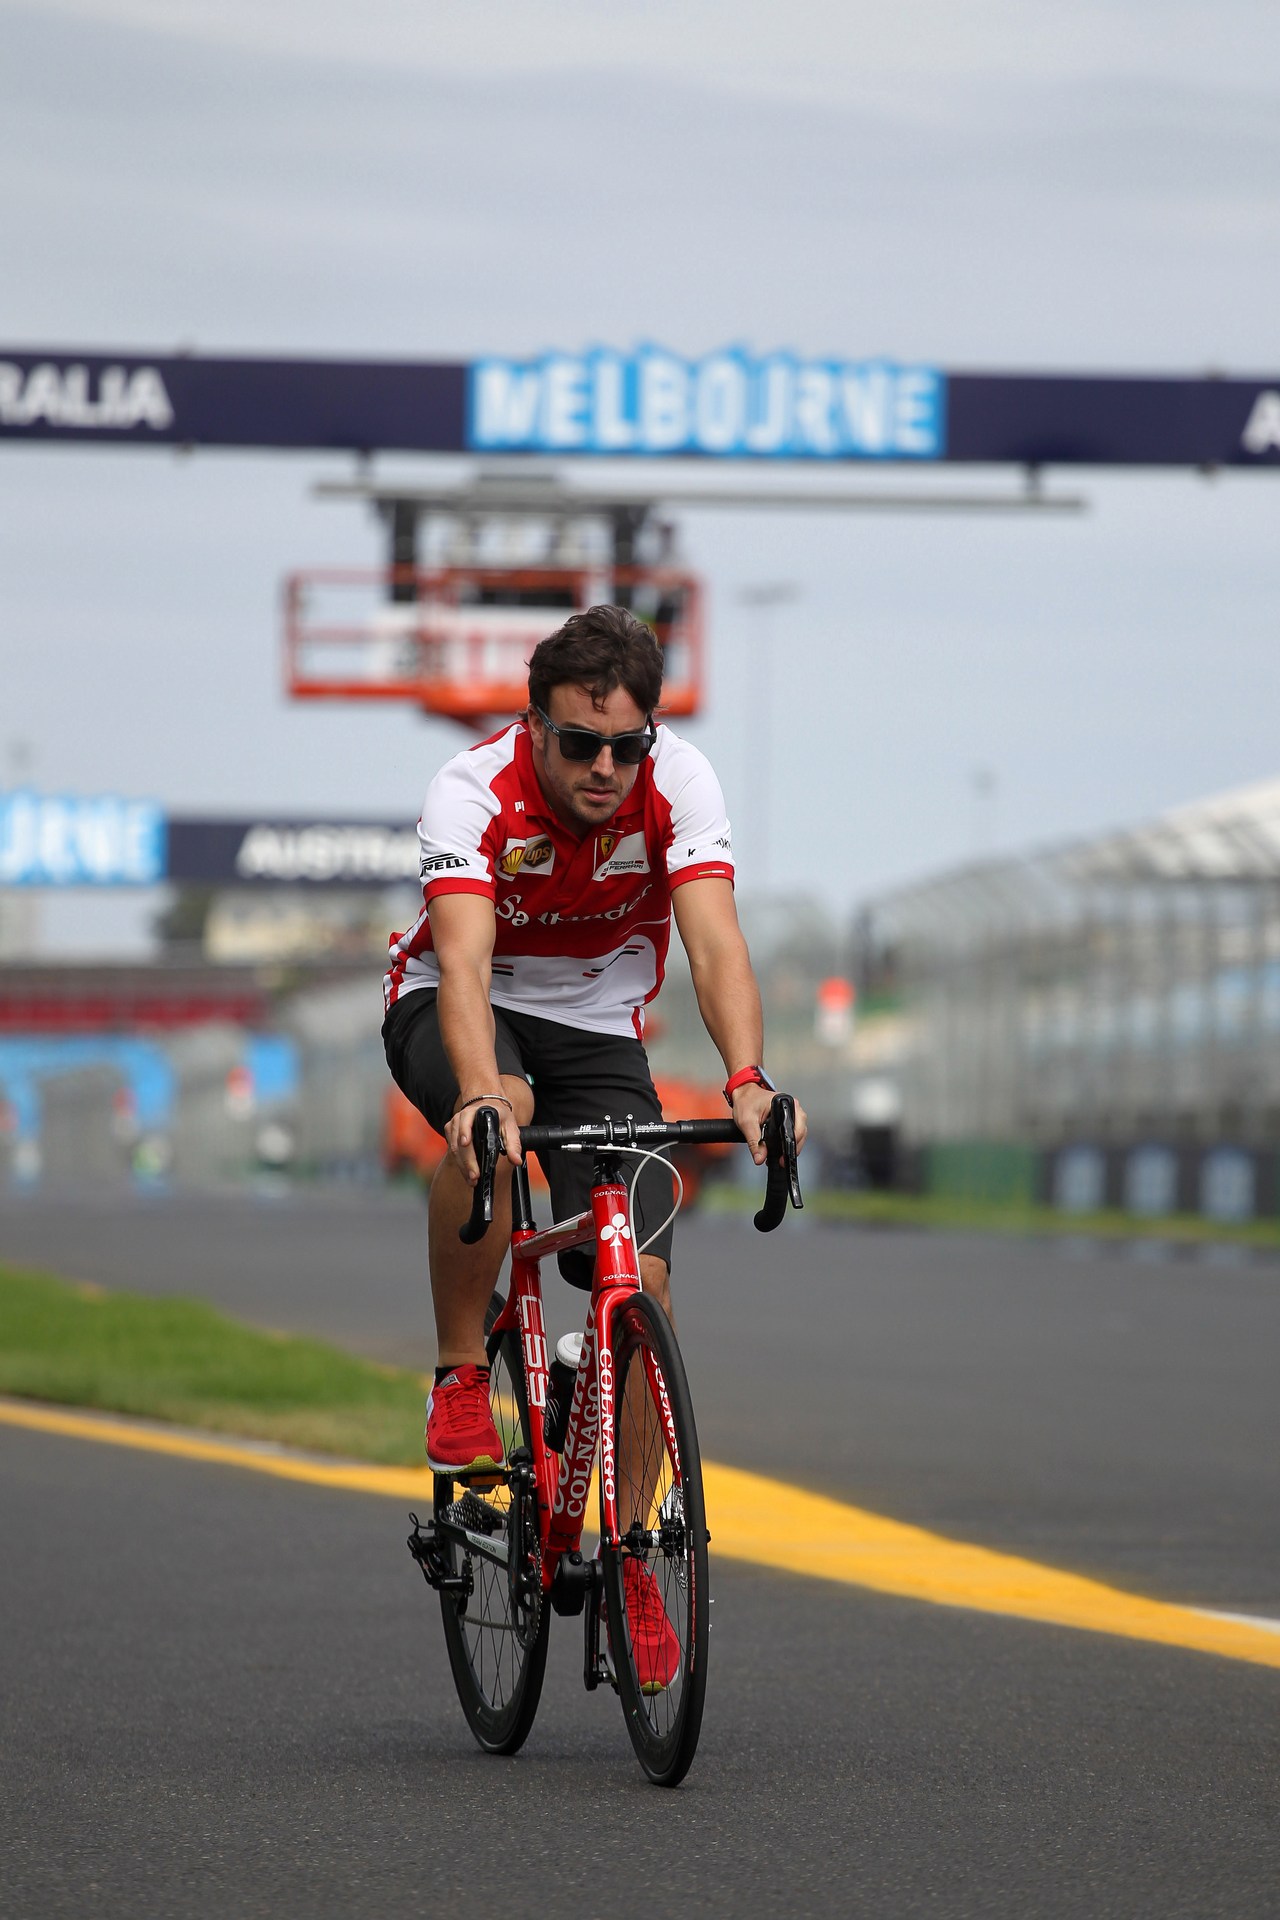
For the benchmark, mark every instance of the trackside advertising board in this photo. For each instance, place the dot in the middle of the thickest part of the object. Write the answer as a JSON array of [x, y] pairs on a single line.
[[273, 853], [59, 840], [641, 403], [64, 840]]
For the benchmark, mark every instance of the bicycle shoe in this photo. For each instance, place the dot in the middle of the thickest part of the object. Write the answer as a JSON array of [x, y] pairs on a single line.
[[461, 1437], [655, 1646]]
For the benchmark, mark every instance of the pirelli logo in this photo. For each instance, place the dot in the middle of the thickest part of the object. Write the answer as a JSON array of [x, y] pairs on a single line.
[[527, 856]]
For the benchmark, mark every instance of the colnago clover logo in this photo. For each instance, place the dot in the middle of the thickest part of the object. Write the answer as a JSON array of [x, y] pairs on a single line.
[[617, 1229]]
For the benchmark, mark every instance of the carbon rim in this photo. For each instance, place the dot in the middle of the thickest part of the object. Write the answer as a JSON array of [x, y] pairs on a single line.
[[663, 1521]]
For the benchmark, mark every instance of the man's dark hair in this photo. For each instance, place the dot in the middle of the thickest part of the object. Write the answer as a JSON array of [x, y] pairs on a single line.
[[603, 648]]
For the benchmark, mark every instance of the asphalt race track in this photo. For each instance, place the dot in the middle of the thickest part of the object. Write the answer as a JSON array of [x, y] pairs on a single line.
[[226, 1694]]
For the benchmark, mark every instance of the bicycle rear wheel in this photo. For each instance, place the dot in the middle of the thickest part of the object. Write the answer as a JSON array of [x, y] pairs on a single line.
[[660, 1566], [496, 1633]]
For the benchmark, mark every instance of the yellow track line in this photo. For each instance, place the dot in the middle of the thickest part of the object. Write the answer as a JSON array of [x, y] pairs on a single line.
[[400, 1483], [771, 1524], [864, 1549]]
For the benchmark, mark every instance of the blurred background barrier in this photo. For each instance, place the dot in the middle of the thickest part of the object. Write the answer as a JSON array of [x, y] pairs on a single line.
[[84, 1131], [989, 1171], [1093, 1030], [340, 1104], [1097, 1026]]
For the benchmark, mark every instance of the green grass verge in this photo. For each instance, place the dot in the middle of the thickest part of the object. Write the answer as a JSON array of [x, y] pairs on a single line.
[[179, 1360], [979, 1216]]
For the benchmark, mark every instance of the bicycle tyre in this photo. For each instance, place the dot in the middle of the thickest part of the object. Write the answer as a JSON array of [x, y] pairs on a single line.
[[664, 1721], [496, 1652]]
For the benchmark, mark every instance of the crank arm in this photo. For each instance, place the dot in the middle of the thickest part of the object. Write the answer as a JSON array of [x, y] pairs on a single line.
[[484, 1544]]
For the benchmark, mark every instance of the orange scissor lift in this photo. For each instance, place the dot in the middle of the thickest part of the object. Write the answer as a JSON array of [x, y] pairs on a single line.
[[456, 640]]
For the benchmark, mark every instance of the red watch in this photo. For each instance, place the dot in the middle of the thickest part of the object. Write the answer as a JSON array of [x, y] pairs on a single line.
[[747, 1077]]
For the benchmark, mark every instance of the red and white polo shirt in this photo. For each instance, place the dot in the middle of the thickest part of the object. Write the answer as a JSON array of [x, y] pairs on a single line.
[[583, 921]]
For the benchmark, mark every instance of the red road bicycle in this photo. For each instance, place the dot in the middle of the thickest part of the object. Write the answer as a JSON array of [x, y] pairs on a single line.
[[505, 1555]]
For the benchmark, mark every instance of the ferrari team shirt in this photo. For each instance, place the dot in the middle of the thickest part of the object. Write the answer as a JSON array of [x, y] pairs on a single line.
[[583, 922]]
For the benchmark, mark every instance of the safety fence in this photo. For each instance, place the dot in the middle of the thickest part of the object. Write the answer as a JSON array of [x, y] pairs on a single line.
[[1148, 1180], [1100, 1023]]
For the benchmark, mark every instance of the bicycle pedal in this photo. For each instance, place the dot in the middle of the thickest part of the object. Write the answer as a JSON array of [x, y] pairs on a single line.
[[485, 1478], [601, 1675], [425, 1548]]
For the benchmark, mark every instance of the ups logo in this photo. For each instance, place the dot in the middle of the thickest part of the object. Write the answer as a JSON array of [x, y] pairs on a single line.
[[527, 856]]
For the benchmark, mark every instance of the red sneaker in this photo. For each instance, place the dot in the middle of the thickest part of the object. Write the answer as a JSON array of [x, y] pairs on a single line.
[[461, 1437], [655, 1647]]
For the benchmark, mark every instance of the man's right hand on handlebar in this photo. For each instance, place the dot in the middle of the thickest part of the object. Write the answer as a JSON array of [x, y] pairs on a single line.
[[751, 1106], [458, 1132]]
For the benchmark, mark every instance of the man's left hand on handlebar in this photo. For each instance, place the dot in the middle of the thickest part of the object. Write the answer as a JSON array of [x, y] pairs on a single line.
[[458, 1134], [751, 1110]]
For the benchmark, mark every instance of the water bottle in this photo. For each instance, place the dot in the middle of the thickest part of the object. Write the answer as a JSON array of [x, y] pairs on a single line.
[[561, 1375]]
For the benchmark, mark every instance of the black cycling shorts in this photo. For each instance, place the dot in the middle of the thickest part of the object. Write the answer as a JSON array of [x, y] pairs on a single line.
[[575, 1076]]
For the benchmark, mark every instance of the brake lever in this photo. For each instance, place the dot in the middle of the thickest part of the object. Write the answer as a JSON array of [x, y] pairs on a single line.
[[783, 1183], [486, 1140]]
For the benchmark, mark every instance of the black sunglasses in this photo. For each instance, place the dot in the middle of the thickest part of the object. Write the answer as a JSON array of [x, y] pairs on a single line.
[[579, 743]]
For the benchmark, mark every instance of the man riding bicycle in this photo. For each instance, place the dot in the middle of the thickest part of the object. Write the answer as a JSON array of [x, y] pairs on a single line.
[[553, 855]]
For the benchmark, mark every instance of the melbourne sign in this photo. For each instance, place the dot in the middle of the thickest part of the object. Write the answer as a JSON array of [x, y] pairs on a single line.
[[637, 403], [54, 840], [732, 404]]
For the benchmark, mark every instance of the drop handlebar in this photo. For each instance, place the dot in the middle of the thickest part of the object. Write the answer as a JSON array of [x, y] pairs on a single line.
[[779, 1136]]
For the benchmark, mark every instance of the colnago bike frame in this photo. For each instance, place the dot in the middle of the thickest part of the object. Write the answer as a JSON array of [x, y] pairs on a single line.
[[502, 1564], [564, 1481]]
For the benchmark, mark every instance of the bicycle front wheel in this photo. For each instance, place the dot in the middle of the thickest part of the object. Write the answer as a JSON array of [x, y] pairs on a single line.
[[496, 1630], [655, 1581]]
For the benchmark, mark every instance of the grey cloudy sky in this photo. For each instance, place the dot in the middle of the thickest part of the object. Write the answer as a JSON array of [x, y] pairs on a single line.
[[1012, 186]]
